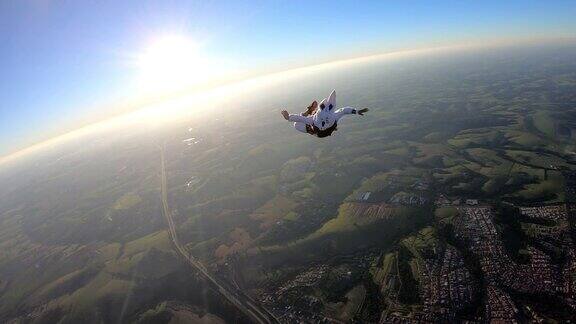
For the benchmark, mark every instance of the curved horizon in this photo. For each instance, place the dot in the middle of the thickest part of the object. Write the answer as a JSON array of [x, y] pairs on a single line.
[[147, 110]]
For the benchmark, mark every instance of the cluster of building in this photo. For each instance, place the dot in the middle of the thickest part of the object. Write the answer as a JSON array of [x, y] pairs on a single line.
[[447, 285], [569, 279], [400, 198], [409, 199], [294, 314], [371, 210], [293, 300], [552, 212], [443, 201], [476, 228], [543, 276], [539, 276], [365, 196], [309, 278], [553, 235], [412, 195], [291, 304], [550, 236], [499, 306]]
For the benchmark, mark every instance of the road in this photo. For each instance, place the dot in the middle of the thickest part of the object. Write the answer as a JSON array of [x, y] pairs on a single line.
[[244, 303]]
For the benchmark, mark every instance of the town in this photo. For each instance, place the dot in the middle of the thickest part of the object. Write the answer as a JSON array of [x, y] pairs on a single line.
[[467, 274]]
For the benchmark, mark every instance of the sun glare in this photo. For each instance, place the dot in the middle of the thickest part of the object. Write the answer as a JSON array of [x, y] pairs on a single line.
[[173, 63]]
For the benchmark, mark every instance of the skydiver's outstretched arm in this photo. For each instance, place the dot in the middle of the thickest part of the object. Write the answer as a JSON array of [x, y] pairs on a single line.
[[297, 118], [348, 111]]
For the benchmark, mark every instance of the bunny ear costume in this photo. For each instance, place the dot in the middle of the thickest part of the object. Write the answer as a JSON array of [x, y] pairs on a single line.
[[324, 121]]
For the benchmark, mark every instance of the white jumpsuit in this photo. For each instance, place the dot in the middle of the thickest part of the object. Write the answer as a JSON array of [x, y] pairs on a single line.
[[322, 119]]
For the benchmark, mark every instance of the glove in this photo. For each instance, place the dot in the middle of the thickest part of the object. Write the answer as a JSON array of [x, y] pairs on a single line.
[[361, 111]]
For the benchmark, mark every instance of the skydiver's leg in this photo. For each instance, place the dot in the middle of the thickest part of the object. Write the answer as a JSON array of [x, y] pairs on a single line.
[[301, 127], [310, 110], [301, 123]]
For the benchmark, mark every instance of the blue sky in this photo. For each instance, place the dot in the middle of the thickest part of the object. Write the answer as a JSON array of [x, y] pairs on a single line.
[[64, 62]]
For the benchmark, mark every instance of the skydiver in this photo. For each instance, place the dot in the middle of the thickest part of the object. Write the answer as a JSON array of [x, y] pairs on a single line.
[[321, 122]]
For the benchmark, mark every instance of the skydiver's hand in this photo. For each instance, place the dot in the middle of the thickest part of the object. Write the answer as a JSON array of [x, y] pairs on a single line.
[[362, 111], [285, 114]]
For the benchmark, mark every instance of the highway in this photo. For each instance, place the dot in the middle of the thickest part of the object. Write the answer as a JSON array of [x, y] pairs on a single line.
[[244, 303]]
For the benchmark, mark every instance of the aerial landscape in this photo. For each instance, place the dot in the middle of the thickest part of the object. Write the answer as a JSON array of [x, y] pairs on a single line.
[[453, 200], [470, 216]]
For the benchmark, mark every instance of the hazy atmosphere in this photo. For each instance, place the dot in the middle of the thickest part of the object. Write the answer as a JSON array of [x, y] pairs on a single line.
[[288, 162], [67, 64]]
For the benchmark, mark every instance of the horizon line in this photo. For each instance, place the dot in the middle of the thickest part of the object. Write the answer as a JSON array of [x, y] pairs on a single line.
[[258, 76]]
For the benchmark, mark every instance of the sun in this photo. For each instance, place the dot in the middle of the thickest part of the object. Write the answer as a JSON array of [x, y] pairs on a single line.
[[173, 63]]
